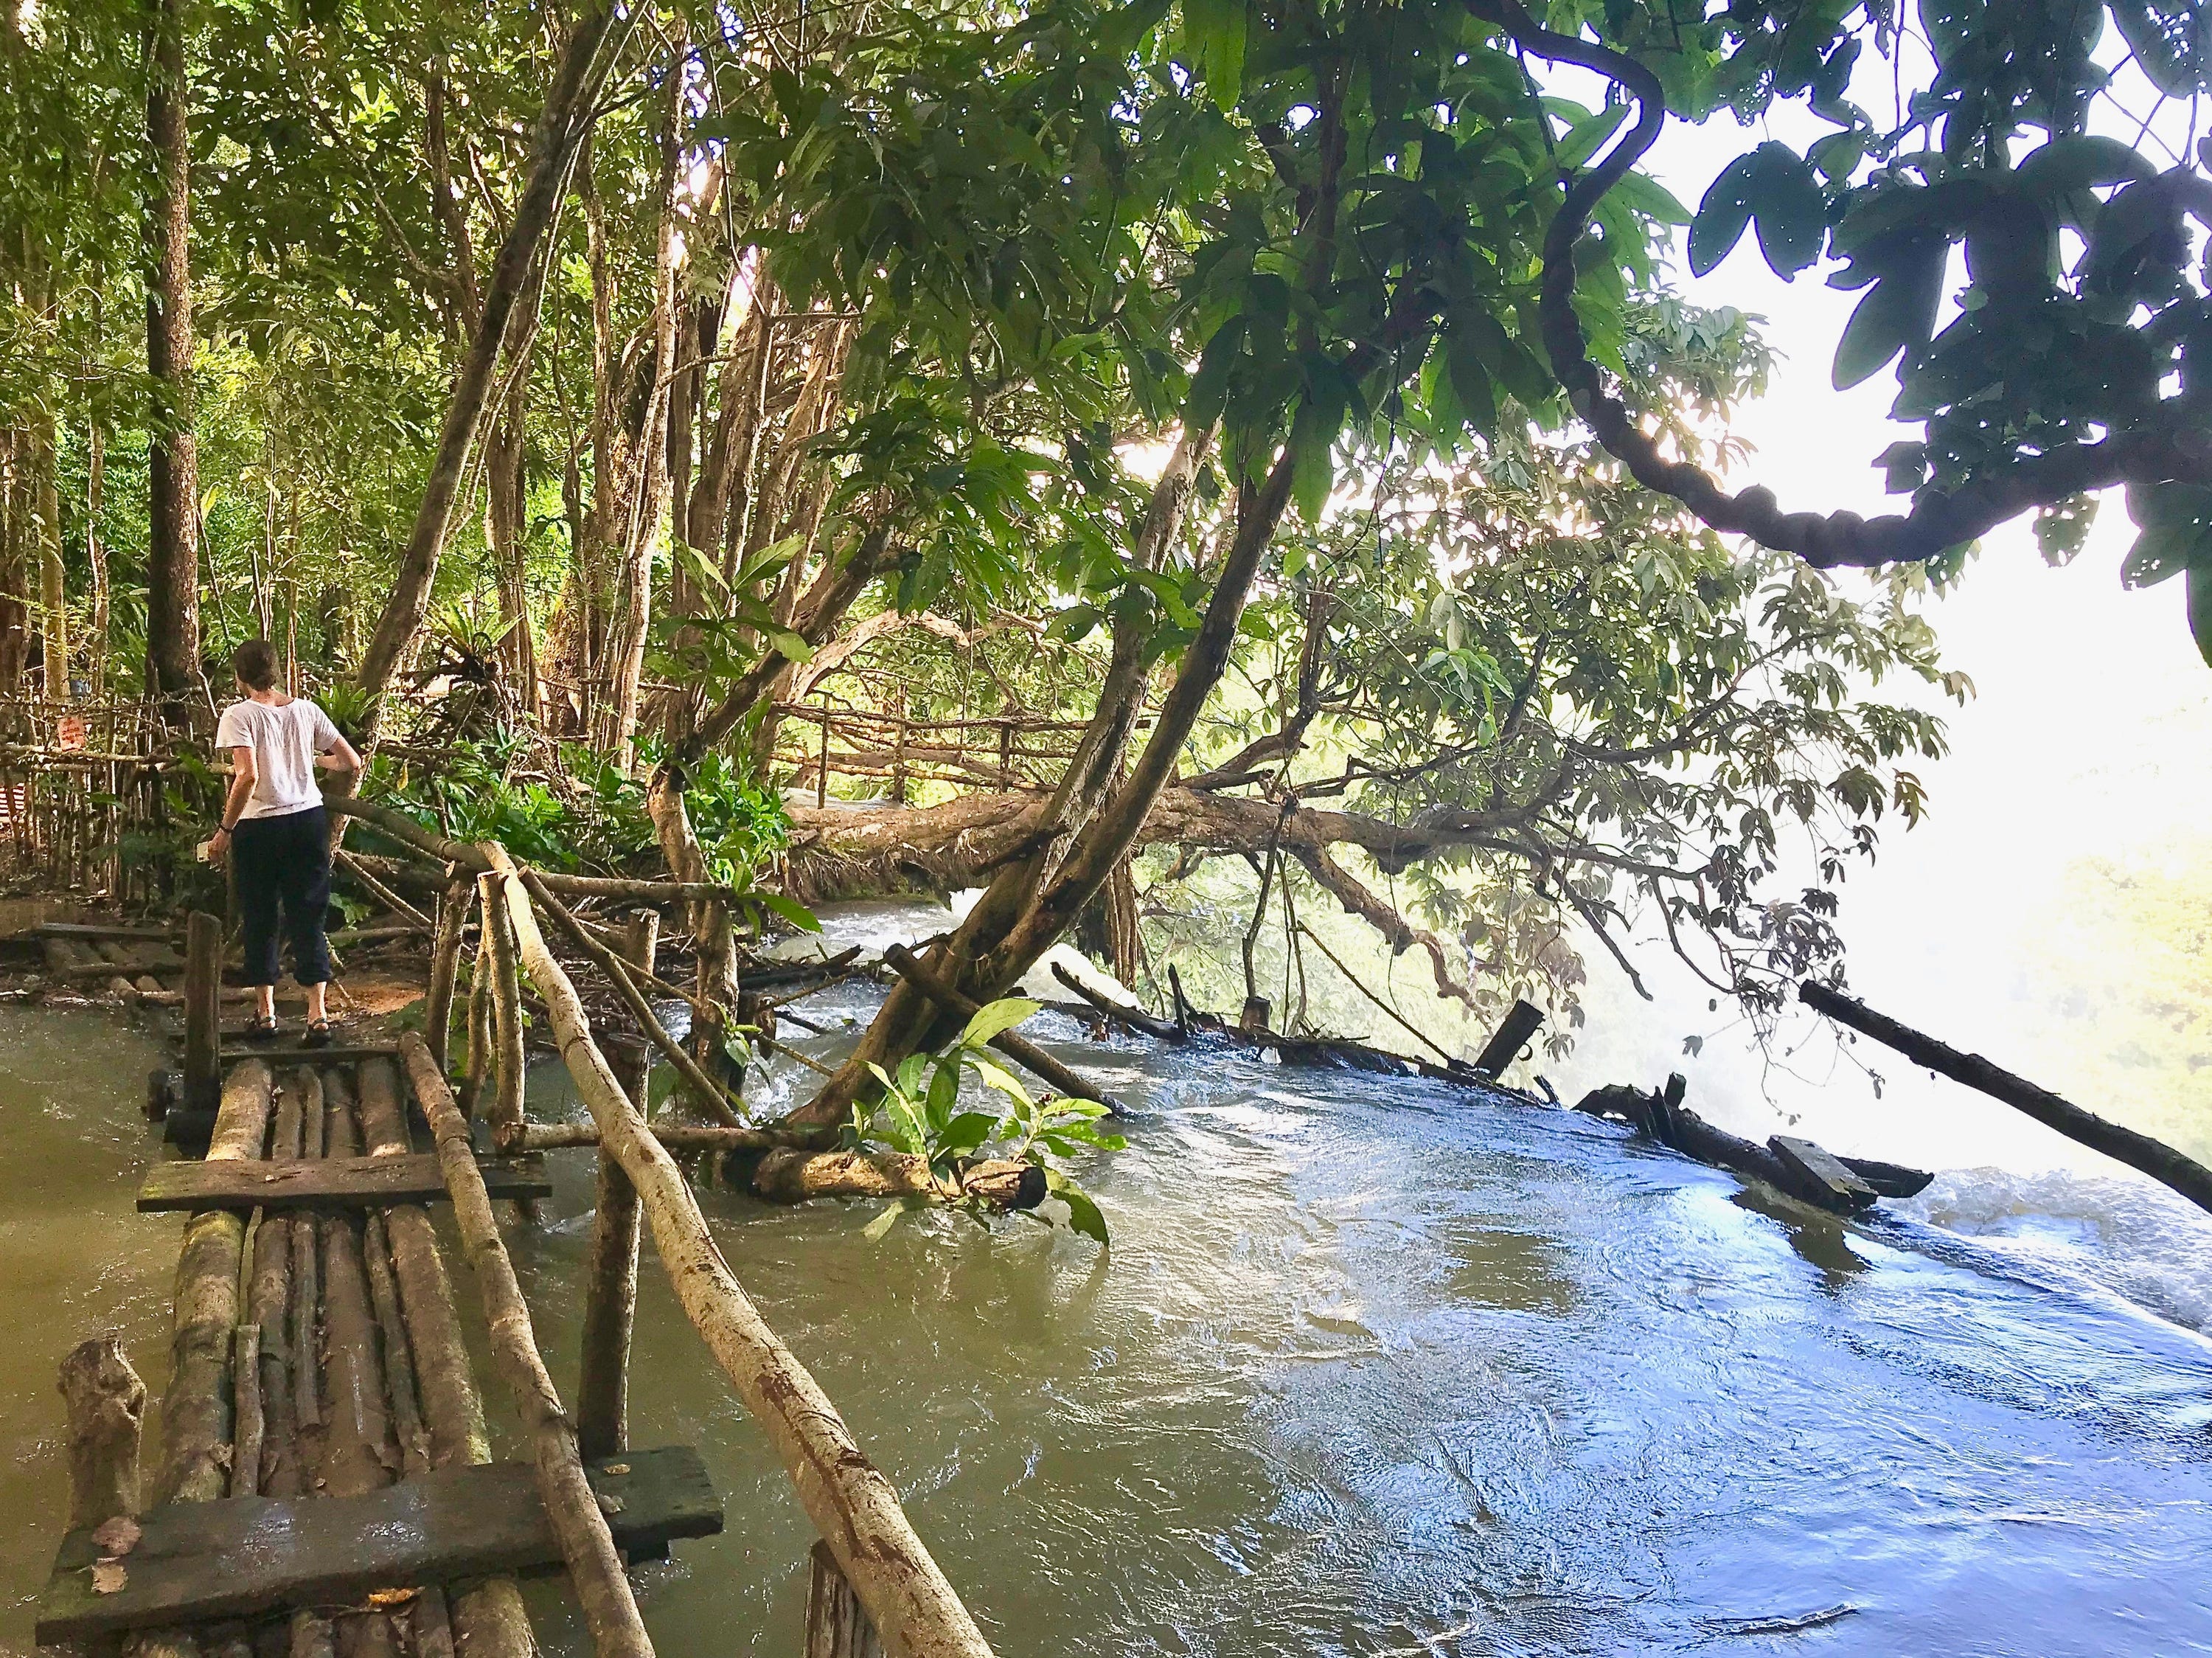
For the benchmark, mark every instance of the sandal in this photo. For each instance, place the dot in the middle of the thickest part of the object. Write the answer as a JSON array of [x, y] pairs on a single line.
[[262, 1029], [319, 1034]]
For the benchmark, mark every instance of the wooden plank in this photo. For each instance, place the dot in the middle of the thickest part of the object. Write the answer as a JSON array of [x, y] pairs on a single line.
[[1822, 1178], [327, 1182], [351, 1053], [90, 929], [243, 1556]]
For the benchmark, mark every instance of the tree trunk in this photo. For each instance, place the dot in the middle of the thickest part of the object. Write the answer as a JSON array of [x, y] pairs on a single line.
[[53, 600], [634, 606], [570, 108], [95, 549], [172, 563]]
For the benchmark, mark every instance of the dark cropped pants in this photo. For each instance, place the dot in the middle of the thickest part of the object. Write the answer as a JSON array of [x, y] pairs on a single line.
[[284, 864]]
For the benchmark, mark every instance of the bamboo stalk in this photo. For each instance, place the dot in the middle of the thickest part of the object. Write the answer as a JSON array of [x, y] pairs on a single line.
[[850, 1502], [588, 1547]]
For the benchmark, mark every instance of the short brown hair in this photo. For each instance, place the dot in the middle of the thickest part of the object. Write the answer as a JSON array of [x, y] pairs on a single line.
[[255, 664]]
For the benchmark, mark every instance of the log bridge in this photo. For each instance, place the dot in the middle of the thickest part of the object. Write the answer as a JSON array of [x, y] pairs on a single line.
[[324, 1483]]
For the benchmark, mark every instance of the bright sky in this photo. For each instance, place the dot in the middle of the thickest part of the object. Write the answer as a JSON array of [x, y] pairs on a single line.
[[2091, 731]]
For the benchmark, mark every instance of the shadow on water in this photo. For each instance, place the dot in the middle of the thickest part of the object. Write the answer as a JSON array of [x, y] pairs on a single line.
[[1373, 1367]]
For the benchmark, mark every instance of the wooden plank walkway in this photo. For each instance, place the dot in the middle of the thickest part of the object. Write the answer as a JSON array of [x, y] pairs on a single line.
[[328, 1397], [245, 1557], [329, 1183]]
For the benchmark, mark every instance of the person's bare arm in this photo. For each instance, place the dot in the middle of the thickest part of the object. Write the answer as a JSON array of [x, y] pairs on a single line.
[[340, 757], [242, 779]]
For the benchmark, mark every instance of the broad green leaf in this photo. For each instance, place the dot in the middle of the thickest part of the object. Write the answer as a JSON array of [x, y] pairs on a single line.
[[1789, 208], [2081, 161], [1582, 139], [966, 1133], [1083, 1215], [1000, 1015], [1898, 312], [1213, 31], [2160, 553], [790, 909], [1722, 215], [998, 1076]]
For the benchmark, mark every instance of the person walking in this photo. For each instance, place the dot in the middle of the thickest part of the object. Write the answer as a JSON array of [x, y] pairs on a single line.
[[277, 833]]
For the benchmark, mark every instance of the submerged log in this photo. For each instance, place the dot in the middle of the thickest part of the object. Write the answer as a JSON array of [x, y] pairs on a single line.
[[2139, 1152], [795, 1177], [680, 1136], [1014, 1045], [852, 1506], [1160, 1030]]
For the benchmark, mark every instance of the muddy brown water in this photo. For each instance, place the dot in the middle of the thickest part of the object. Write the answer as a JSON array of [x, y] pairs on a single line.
[[1373, 1367]]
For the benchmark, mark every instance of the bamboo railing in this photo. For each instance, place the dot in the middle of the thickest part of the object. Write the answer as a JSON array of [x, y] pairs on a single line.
[[873, 1584]]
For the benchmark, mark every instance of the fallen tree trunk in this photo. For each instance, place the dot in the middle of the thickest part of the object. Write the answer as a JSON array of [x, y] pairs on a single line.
[[851, 1504], [795, 1177], [676, 1137], [1014, 1045], [2139, 1152]]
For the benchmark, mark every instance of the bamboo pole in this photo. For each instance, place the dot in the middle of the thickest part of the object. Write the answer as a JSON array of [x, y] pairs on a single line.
[[617, 974], [610, 1277], [849, 1500], [1014, 1045], [488, 1616], [588, 1547], [506, 1114], [2139, 1152]]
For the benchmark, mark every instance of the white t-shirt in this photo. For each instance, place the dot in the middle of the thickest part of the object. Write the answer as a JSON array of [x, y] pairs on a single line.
[[285, 741]]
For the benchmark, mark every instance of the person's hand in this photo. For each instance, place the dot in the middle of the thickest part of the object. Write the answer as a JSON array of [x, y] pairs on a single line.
[[219, 845]]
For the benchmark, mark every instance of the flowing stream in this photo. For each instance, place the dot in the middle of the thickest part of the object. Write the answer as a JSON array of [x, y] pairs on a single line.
[[1373, 1367]]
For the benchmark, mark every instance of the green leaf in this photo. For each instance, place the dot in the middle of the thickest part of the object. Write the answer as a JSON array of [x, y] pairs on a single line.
[[2200, 609], [966, 1133], [1724, 214], [2161, 553], [1083, 1215], [1790, 208], [882, 1223], [1898, 312], [789, 644], [998, 1076], [2081, 161], [1582, 139], [1213, 34], [1000, 1015], [790, 909], [943, 1094], [1650, 197], [1313, 468]]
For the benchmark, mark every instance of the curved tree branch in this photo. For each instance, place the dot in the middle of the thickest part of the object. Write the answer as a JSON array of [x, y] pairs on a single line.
[[1939, 519]]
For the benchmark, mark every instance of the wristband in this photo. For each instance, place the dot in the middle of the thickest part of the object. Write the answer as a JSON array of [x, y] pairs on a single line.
[[227, 829]]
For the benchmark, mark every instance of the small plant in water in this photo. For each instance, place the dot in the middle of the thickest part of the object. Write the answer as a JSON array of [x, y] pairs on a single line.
[[920, 1114]]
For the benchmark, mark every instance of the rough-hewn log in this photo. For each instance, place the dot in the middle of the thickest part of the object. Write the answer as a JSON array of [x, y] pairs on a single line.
[[202, 1015], [304, 1345], [444, 968], [106, 1406], [489, 1615], [506, 1113], [789, 1176], [2139, 1152], [611, 1274], [676, 1137], [850, 1502], [837, 1624], [595, 1570], [1012, 1044], [196, 1406], [277, 1473]]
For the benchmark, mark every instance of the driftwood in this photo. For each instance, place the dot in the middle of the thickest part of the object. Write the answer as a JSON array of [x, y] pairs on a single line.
[[1136, 1019], [595, 1570], [489, 1615], [795, 1177], [1664, 1118], [852, 1506], [2139, 1152], [1014, 1045], [105, 1405]]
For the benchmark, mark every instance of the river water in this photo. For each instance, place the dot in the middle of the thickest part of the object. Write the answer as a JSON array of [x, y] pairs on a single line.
[[1373, 1367]]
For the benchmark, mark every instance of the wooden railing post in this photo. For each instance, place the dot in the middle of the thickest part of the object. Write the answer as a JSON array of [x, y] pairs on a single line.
[[611, 1280], [203, 1011], [498, 944], [837, 1624], [444, 969], [822, 773]]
